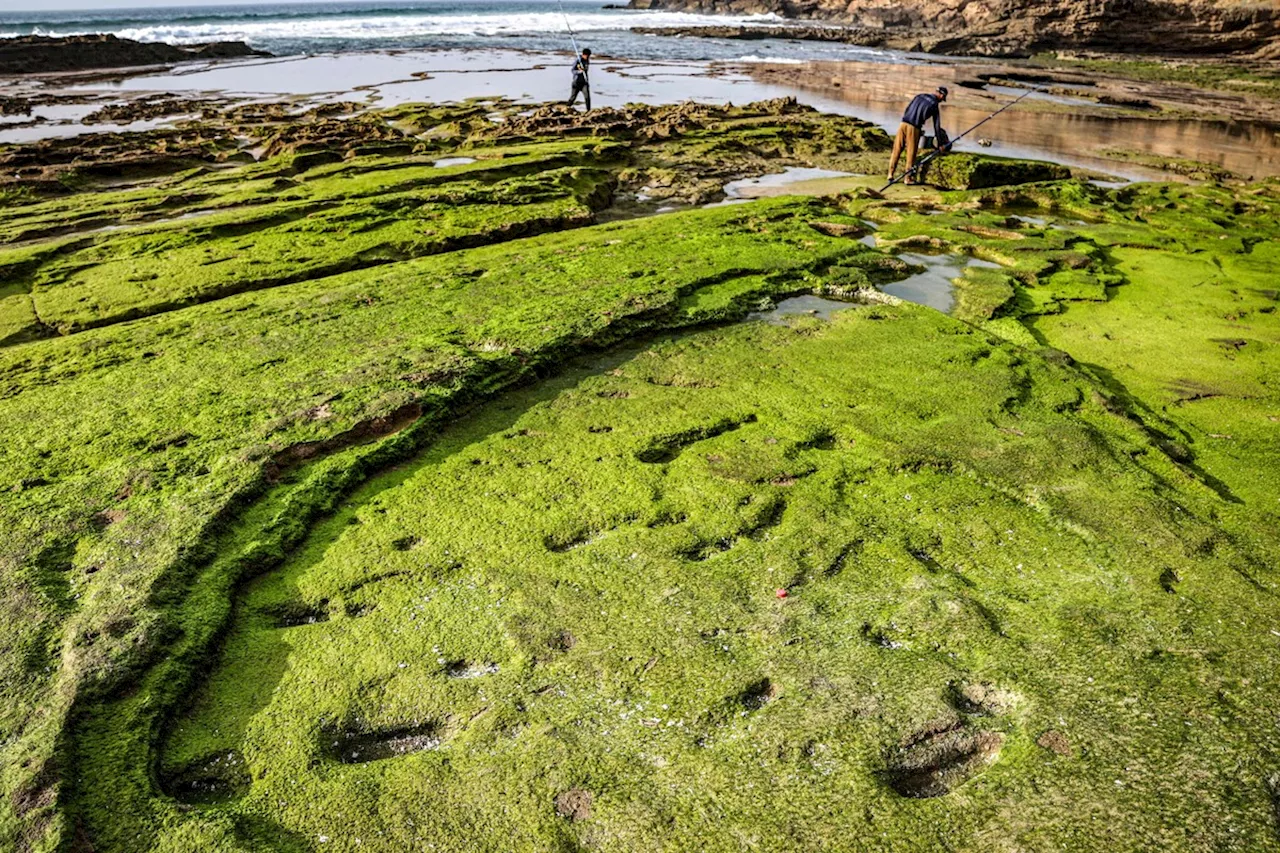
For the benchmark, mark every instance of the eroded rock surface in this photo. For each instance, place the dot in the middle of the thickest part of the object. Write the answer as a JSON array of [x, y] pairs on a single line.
[[997, 28], [938, 759], [49, 54], [480, 542]]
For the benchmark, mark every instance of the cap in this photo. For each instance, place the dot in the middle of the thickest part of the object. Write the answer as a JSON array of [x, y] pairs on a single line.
[[942, 90]]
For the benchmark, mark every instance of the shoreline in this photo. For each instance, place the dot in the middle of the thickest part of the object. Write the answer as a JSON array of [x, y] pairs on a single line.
[[1173, 28], [1180, 142]]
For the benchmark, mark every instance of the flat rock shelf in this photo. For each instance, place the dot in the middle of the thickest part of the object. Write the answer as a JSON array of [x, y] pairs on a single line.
[[424, 478]]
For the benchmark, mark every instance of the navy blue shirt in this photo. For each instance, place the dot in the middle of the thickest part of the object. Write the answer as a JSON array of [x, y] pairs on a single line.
[[921, 109], [580, 67]]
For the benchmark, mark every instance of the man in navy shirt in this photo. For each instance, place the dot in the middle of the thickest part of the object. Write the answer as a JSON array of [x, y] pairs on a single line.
[[580, 67], [922, 108]]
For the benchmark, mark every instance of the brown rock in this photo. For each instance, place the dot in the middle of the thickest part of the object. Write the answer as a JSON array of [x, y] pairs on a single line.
[[574, 804], [1054, 741], [1009, 29], [49, 54]]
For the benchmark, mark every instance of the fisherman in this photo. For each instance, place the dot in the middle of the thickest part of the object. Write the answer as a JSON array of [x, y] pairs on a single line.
[[581, 66], [922, 108]]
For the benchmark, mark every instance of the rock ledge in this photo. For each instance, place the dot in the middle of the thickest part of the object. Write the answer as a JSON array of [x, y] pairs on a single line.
[[51, 55]]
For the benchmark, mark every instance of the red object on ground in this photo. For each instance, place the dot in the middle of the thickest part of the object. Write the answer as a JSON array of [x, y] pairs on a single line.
[[781, 593]]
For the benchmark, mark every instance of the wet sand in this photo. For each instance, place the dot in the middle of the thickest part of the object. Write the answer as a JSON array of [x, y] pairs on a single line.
[[388, 78], [1073, 131], [381, 79]]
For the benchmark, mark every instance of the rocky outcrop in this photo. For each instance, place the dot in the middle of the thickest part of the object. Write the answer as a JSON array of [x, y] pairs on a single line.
[[804, 32], [1011, 28], [49, 55], [60, 165]]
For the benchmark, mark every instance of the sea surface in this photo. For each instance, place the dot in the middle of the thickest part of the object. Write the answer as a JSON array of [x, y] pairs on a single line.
[[288, 29]]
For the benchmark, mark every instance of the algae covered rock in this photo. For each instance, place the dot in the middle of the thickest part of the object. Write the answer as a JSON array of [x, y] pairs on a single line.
[[978, 171], [410, 508]]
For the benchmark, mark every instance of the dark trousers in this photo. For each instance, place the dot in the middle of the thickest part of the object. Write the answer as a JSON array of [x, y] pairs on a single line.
[[580, 86]]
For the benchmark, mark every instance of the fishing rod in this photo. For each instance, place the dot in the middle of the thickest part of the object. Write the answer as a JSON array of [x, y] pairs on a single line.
[[568, 27], [942, 149]]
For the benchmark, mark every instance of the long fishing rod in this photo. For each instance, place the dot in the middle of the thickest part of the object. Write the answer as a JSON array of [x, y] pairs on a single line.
[[569, 27], [943, 149]]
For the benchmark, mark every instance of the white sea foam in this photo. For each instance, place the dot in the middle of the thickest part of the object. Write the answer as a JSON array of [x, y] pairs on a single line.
[[780, 60], [400, 27]]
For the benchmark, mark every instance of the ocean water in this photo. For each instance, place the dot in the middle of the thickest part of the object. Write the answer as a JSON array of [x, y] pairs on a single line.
[[538, 25]]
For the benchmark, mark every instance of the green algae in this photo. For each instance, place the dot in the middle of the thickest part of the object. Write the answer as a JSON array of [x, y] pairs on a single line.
[[632, 646], [182, 418], [696, 169], [272, 588], [1257, 80], [977, 171], [202, 235], [1194, 169], [1183, 271], [303, 234], [981, 293]]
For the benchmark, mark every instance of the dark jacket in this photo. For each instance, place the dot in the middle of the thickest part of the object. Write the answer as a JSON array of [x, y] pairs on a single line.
[[580, 68], [921, 109]]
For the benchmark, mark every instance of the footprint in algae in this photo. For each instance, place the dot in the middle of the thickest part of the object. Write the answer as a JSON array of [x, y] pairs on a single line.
[[296, 613], [466, 669], [757, 695], [939, 758], [216, 779], [357, 747]]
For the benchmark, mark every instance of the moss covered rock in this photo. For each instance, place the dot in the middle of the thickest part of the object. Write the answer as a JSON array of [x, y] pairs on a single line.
[[397, 524], [959, 171]]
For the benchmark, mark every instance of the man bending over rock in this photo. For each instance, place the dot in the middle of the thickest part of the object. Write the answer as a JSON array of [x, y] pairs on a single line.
[[922, 108]]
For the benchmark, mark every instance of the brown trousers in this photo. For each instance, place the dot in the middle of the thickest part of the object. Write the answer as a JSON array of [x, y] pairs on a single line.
[[908, 138]]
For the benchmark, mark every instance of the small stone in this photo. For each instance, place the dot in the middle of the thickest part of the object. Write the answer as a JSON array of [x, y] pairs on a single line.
[[1054, 741], [574, 804]]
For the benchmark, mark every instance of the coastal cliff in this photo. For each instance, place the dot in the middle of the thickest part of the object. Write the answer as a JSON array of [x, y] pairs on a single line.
[[1024, 27], [48, 54]]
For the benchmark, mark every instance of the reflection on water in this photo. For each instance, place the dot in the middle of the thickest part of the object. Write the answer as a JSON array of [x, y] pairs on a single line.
[[870, 239], [878, 93], [389, 78], [776, 183], [807, 305], [933, 287]]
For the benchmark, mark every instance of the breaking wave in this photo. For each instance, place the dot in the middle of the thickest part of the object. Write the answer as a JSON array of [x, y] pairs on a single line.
[[391, 25], [776, 60], [338, 26]]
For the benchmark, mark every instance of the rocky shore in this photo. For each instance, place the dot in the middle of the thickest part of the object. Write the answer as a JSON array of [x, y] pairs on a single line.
[[466, 475], [804, 32], [51, 55], [1002, 29]]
